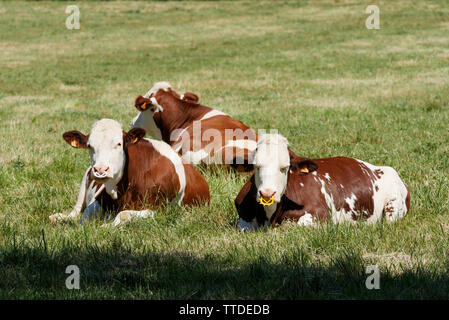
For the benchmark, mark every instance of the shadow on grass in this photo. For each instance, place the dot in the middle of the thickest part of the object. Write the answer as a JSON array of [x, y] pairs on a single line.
[[32, 273]]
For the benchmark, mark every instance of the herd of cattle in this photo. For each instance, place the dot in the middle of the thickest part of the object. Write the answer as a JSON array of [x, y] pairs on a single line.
[[132, 175]]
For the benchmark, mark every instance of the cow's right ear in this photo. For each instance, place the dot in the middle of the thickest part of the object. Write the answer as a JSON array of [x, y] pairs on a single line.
[[304, 166], [143, 104], [76, 139], [134, 135], [190, 97]]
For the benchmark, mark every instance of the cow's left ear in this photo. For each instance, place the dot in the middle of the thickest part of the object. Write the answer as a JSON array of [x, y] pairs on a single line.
[[304, 166], [190, 97], [76, 139], [134, 135]]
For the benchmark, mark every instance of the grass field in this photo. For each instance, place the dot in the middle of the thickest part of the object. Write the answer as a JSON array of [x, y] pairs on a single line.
[[309, 69]]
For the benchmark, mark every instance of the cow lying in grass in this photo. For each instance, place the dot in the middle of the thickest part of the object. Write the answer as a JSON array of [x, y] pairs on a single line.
[[197, 132], [130, 173], [285, 186]]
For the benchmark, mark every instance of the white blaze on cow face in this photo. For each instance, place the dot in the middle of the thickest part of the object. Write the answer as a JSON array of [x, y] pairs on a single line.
[[272, 162], [106, 151], [145, 119]]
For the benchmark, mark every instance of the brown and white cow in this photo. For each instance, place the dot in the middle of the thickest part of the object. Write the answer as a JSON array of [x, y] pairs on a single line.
[[285, 186], [199, 133], [133, 173]]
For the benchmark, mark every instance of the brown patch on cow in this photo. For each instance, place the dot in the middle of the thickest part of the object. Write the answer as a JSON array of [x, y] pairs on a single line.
[[378, 173], [197, 190]]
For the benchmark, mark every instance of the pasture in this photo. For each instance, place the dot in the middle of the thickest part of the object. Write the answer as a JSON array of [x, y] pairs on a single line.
[[310, 69]]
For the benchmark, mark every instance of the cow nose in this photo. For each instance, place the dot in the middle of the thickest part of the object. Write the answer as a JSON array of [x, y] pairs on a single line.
[[101, 170], [267, 194]]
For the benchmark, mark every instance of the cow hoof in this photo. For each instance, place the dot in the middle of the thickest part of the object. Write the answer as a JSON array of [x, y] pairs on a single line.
[[58, 217]]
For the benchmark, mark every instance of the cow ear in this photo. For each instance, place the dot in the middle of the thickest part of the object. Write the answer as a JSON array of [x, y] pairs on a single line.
[[134, 135], [143, 104], [76, 139], [304, 166], [190, 97]]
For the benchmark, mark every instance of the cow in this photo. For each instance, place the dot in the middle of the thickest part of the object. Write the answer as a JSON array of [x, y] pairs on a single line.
[[199, 133], [285, 186], [129, 173]]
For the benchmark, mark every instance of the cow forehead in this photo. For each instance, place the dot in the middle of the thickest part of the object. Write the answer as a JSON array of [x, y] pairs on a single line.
[[272, 149], [163, 85], [104, 131]]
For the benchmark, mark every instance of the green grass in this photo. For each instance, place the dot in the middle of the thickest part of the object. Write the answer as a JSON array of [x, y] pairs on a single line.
[[309, 69]]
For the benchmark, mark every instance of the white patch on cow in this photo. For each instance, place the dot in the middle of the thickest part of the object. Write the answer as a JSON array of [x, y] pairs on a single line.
[[351, 202], [272, 162], [390, 196], [338, 216], [243, 225], [159, 108], [342, 186], [181, 96], [213, 113], [162, 85], [306, 220], [128, 215], [327, 176], [165, 150], [301, 184], [314, 173]]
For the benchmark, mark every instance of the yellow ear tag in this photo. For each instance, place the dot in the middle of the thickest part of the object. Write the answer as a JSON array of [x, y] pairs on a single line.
[[266, 202], [144, 106], [135, 140], [74, 143], [304, 170]]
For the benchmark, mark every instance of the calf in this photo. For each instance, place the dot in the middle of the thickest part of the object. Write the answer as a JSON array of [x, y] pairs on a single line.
[[285, 186], [133, 173], [197, 132]]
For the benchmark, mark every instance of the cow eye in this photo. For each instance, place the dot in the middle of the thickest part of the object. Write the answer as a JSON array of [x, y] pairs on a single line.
[[284, 169], [118, 145]]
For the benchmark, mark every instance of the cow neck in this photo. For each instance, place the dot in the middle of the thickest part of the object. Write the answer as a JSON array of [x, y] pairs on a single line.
[[177, 114], [121, 186]]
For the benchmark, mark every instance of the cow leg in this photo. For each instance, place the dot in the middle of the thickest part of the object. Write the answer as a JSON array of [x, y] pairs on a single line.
[[79, 205], [128, 215], [306, 220]]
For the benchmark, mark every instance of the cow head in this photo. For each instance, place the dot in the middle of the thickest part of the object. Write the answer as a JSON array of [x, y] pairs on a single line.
[[148, 106], [273, 164], [106, 143]]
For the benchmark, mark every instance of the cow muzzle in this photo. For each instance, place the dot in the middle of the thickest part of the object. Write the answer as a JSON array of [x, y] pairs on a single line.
[[101, 172], [267, 197]]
